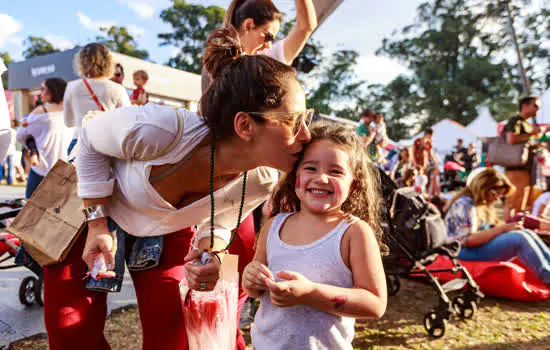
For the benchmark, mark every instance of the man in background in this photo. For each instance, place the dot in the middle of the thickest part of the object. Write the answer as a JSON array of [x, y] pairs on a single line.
[[519, 130]]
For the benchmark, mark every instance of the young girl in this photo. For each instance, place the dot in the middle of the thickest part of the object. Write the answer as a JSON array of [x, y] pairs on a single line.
[[317, 265]]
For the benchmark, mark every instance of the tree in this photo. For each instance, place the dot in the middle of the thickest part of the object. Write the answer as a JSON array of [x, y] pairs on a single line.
[[338, 86], [5, 56], [191, 24], [37, 46], [120, 40], [457, 63]]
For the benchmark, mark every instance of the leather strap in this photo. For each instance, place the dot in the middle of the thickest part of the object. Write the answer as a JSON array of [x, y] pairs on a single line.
[[94, 97]]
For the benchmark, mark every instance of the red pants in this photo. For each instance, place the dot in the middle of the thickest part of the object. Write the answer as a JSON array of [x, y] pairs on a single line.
[[75, 317]]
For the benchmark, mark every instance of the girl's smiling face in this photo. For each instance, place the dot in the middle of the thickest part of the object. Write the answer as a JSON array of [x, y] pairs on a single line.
[[324, 177]]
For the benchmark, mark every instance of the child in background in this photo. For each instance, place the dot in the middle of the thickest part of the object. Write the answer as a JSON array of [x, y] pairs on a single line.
[[318, 264], [139, 95], [381, 139]]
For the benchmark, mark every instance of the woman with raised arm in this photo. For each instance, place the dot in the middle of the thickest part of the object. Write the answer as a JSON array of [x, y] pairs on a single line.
[[152, 173], [258, 22]]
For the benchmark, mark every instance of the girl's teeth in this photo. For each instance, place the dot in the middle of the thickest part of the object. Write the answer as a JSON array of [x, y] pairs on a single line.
[[319, 192]]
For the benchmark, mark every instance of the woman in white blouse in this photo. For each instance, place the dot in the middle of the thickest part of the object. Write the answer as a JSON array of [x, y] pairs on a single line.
[[45, 125], [151, 180], [95, 65]]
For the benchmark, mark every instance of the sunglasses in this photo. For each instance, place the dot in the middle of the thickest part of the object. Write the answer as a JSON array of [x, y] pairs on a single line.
[[268, 37], [497, 194], [300, 118]]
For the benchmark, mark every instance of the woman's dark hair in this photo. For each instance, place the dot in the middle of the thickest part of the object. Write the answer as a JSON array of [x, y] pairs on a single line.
[[260, 11], [56, 88], [526, 101], [241, 83]]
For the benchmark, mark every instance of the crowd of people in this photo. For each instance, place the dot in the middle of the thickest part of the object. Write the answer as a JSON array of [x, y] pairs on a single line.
[[163, 188], [469, 211]]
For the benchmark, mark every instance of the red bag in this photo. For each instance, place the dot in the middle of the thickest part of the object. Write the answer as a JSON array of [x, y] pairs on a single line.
[[530, 222], [507, 279]]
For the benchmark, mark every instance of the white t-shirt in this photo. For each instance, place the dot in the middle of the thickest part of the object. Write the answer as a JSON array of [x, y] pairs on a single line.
[[51, 136], [4, 111], [543, 199], [78, 101], [276, 51], [116, 154], [5, 135]]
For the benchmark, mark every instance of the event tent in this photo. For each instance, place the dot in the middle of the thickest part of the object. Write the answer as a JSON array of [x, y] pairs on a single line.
[[484, 125], [446, 132], [544, 114]]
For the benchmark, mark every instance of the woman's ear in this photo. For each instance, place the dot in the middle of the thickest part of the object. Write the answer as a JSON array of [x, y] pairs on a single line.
[[244, 126], [247, 25]]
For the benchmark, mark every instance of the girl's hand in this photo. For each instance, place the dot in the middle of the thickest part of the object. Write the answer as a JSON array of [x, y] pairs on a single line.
[[254, 276], [291, 292], [100, 244], [201, 277]]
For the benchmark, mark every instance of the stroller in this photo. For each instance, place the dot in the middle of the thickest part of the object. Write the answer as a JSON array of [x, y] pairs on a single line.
[[30, 289], [416, 234]]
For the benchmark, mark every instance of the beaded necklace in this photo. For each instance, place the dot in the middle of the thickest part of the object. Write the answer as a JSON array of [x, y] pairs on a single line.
[[212, 206]]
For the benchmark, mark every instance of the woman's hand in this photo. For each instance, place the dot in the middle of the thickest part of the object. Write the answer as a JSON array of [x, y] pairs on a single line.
[[293, 291], [513, 226], [254, 276], [100, 243], [201, 277]]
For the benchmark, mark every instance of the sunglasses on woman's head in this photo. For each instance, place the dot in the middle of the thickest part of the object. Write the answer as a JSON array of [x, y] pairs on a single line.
[[300, 118]]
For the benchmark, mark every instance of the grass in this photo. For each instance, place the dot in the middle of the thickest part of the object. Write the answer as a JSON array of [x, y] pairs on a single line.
[[498, 324]]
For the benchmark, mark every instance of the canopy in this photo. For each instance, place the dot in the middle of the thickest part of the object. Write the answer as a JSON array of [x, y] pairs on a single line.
[[484, 125], [446, 132], [544, 113]]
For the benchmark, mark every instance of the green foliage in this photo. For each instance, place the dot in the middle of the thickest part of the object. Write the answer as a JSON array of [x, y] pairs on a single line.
[[191, 24], [120, 40], [37, 46], [338, 85], [5, 56]]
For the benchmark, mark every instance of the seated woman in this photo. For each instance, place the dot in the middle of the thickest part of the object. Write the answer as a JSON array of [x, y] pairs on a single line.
[[471, 219]]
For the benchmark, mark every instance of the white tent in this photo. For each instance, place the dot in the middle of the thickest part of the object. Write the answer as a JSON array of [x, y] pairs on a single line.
[[544, 114], [484, 125], [446, 132]]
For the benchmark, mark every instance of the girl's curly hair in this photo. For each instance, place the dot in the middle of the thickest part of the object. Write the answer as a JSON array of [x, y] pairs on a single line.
[[364, 200]]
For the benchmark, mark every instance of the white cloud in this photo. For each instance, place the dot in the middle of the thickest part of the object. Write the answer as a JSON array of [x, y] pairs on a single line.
[[91, 24], [9, 27], [145, 8], [379, 69], [59, 42], [135, 30]]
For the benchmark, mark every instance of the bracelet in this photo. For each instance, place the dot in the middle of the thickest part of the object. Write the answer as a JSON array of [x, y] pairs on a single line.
[[94, 212]]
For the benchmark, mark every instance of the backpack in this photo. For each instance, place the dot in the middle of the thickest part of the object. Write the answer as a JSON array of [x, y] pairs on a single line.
[[416, 223]]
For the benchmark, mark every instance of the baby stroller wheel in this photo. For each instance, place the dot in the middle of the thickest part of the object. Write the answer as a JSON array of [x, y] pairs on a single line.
[[27, 295], [39, 291], [464, 309], [393, 284], [435, 325]]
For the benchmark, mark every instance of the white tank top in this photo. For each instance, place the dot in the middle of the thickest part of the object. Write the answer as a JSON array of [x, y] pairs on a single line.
[[304, 327]]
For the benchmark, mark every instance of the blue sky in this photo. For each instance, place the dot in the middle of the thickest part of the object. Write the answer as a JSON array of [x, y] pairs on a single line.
[[356, 24]]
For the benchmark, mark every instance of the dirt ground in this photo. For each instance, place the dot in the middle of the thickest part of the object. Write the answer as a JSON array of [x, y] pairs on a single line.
[[498, 324]]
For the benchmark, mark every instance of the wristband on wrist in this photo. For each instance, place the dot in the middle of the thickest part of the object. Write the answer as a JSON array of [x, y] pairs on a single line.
[[94, 212]]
